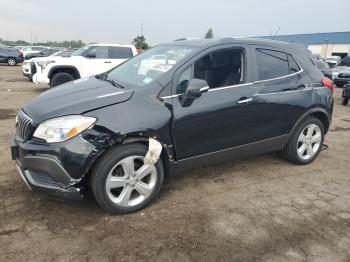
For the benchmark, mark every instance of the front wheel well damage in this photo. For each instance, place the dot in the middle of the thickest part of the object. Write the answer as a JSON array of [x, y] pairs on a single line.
[[85, 181]]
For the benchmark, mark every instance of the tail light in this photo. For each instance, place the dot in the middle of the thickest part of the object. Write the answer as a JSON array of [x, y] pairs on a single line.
[[20, 54], [327, 83]]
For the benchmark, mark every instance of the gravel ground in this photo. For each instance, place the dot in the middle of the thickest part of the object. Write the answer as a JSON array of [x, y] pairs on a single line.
[[257, 209]]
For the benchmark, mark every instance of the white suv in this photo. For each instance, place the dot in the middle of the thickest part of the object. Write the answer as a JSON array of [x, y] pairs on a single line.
[[31, 49], [89, 60]]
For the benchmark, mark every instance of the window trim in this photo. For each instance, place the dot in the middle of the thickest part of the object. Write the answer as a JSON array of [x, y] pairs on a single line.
[[281, 77], [249, 83]]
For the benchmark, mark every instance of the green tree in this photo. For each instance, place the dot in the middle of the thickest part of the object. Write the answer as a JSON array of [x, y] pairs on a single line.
[[21, 42], [140, 42], [209, 34]]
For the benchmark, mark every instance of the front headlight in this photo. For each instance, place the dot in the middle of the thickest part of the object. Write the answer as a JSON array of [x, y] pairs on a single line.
[[43, 64], [63, 128]]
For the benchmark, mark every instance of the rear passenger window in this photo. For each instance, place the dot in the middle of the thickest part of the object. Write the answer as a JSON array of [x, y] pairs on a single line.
[[271, 64], [119, 52], [293, 66]]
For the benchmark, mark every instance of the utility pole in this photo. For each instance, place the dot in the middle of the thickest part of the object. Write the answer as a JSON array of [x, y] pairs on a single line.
[[142, 27], [31, 38]]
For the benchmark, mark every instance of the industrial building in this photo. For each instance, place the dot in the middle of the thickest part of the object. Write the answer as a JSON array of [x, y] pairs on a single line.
[[324, 44]]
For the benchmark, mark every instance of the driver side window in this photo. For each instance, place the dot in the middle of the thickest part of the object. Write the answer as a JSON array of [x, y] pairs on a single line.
[[219, 69]]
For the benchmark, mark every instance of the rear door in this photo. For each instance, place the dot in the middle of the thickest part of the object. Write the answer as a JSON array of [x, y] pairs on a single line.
[[284, 91], [119, 54]]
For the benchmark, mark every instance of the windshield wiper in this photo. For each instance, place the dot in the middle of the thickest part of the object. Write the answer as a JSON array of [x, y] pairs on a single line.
[[104, 77], [113, 82]]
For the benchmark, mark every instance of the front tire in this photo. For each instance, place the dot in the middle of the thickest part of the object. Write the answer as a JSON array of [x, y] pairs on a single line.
[[306, 142], [60, 78], [11, 62], [122, 183], [344, 101]]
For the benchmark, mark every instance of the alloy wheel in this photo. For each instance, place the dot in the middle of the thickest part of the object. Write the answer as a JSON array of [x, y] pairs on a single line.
[[11, 62], [309, 141], [131, 181]]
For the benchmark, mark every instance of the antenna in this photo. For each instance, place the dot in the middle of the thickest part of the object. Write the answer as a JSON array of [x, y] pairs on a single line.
[[277, 31], [142, 27]]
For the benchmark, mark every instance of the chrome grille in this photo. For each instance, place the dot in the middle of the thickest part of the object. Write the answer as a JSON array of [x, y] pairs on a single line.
[[342, 75], [24, 126]]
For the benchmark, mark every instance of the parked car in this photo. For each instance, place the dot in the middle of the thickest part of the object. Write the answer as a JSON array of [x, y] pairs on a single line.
[[341, 75], [346, 94], [42, 53], [31, 49], [29, 68], [324, 67], [333, 61], [345, 61], [90, 60], [122, 132], [64, 53], [10, 56]]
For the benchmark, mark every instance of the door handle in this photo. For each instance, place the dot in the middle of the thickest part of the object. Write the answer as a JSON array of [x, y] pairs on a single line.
[[108, 62], [244, 100]]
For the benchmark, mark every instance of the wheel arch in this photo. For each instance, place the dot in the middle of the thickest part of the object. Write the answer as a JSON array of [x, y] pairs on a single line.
[[319, 113], [140, 138], [166, 155], [67, 69]]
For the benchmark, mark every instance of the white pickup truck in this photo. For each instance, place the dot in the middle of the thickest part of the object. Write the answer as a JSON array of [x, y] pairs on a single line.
[[89, 60]]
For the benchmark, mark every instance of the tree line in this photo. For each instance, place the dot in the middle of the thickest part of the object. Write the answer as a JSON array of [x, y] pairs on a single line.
[[139, 42]]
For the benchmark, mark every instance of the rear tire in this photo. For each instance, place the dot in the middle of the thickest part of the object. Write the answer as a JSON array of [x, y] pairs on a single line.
[[339, 85], [306, 142], [122, 183], [60, 78], [344, 101], [11, 61]]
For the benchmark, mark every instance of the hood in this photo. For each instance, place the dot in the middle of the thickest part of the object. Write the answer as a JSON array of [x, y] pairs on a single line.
[[339, 69], [75, 97]]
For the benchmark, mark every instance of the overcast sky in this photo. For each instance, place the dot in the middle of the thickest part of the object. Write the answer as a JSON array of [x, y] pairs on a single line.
[[116, 21]]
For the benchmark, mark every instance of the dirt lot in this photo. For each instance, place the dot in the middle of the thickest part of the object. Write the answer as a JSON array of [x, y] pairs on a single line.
[[258, 209]]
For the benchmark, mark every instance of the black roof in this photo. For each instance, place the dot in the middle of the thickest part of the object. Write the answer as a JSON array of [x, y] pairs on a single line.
[[205, 43]]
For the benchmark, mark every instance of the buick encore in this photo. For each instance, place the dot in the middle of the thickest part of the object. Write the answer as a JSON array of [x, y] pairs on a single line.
[[179, 105]]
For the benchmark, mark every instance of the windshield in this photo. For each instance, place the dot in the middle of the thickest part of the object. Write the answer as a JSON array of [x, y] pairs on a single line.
[[150, 65]]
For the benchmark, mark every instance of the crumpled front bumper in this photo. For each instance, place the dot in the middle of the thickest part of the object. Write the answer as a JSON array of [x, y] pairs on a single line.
[[45, 174]]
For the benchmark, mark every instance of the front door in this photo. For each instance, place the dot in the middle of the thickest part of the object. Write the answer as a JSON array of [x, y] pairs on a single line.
[[219, 118], [98, 64]]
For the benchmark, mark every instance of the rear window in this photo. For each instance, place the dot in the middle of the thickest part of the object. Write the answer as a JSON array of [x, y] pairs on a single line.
[[271, 64], [115, 52]]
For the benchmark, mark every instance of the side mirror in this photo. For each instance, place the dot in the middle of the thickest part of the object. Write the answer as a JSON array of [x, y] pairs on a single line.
[[91, 54], [195, 88]]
